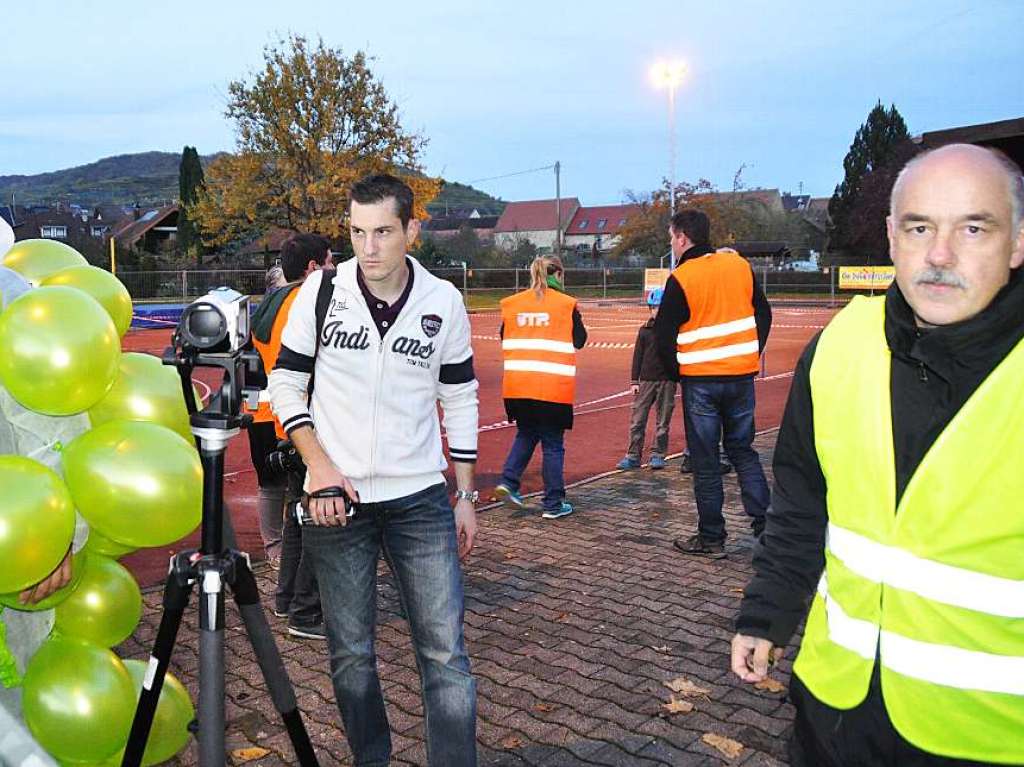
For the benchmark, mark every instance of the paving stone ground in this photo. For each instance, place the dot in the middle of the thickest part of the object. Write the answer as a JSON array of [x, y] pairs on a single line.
[[573, 627]]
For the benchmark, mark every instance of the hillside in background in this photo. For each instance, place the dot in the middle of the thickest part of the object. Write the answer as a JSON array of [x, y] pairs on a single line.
[[145, 178], [152, 178]]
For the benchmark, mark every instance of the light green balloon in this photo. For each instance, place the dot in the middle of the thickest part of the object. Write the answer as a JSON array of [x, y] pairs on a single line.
[[104, 609], [78, 563], [59, 350], [37, 522], [79, 700], [37, 259], [137, 483], [98, 543], [174, 712], [109, 291], [144, 390]]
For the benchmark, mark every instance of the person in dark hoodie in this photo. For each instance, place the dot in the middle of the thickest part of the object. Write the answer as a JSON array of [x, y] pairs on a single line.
[[897, 494], [652, 387], [711, 328], [297, 597]]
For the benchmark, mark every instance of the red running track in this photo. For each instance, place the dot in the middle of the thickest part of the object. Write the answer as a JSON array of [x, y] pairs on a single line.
[[593, 446]]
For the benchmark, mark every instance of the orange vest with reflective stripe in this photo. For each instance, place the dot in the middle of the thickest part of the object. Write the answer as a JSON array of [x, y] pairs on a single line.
[[720, 338], [540, 360], [268, 353]]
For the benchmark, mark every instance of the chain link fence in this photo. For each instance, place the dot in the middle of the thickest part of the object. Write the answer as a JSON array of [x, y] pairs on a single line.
[[484, 287]]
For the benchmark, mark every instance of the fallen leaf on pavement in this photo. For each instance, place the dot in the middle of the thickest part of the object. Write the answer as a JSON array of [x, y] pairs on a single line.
[[511, 742], [663, 648], [727, 746], [770, 685], [735, 591], [544, 707], [676, 706], [684, 686], [242, 755]]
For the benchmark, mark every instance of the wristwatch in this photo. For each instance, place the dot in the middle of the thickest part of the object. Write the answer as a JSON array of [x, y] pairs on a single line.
[[467, 495]]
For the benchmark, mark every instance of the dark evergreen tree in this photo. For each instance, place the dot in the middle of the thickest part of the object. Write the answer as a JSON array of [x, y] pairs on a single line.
[[190, 180], [880, 147]]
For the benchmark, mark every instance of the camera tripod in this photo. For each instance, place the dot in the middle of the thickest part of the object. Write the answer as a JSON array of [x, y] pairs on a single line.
[[212, 568]]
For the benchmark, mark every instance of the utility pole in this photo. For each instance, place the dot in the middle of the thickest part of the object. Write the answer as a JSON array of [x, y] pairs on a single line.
[[558, 209]]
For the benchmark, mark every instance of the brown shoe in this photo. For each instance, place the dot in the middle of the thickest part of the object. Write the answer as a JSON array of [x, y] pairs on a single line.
[[697, 545]]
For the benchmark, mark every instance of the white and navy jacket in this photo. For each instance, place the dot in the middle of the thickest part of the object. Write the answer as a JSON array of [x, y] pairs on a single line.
[[374, 404]]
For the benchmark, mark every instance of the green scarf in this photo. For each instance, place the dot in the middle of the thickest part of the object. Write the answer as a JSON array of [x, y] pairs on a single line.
[[553, 282]]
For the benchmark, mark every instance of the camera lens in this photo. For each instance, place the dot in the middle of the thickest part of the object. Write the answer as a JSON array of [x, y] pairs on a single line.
[[203, 326]]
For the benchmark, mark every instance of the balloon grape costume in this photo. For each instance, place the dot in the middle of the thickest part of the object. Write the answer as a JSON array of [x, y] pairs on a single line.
[[96, 460]]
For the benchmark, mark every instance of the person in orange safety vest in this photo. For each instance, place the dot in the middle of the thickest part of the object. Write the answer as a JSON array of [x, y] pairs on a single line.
[[541, 329]]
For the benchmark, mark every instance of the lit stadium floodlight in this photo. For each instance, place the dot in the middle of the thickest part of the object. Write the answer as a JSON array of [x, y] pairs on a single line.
[[669, 74]]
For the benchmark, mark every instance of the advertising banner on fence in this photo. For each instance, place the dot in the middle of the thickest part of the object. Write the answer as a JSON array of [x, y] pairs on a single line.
[[654, 285], [866, 277]]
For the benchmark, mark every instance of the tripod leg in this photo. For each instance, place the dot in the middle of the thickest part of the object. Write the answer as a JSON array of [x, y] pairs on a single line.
[[176, 595], [267, 655], [211, 664]]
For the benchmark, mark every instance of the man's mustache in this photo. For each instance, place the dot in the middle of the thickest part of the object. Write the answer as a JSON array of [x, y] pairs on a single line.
[[935, 276]]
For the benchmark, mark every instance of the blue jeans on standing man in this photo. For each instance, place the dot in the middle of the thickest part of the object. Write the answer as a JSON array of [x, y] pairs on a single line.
[[713, 409], [553, 453], [416, 535]]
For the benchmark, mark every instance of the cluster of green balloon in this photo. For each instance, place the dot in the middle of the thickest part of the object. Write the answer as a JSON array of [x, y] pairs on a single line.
[[79, 702], [135, 477]]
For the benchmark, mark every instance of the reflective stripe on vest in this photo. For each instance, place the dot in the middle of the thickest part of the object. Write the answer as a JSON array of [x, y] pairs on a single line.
[[720, 337], [935, 586], [539, 357]]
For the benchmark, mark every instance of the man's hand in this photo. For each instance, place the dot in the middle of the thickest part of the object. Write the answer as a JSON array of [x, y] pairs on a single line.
[[58, 579], [465, 526], [635, 389], [752, 657], [329, 512]]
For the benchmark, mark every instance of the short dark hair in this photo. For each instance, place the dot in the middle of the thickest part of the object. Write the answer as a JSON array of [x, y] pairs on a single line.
[[694, 224], [380, 187], [298, 250]]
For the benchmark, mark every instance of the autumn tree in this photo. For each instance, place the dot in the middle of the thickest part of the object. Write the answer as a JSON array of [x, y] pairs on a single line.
[[190, 181], [879, 149], [307, 126]]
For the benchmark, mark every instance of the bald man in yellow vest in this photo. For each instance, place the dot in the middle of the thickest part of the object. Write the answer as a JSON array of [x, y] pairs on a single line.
[[898, 483]]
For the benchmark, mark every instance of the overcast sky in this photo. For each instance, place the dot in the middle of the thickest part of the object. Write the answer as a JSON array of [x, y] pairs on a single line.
[[777, 87]]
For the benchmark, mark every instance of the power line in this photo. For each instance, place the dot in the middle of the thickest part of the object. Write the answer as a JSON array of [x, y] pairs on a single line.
[[509, 175]]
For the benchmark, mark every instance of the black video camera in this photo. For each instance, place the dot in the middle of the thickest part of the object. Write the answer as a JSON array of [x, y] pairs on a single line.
[[285, 459]]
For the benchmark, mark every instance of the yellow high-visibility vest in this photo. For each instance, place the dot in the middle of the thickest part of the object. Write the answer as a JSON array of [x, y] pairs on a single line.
[[932, 587]]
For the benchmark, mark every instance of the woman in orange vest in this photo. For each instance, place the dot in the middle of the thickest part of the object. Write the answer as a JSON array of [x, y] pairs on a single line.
[[541, 329]]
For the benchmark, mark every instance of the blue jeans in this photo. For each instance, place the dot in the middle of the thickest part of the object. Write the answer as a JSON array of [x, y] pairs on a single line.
[[417, 537], [553, 453], [712, 409]]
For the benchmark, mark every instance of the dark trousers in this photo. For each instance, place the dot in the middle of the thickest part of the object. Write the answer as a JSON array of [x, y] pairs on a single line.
[[723, 408], [297, 591], [553, 448], [827, 737], [661, 395]]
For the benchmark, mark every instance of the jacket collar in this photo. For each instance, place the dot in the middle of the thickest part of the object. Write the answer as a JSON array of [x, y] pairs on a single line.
[[969, 343], [695, 251], [347, 270]]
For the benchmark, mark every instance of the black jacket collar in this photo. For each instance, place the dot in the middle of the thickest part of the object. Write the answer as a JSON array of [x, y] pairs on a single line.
[[981, 341], [695, 251]]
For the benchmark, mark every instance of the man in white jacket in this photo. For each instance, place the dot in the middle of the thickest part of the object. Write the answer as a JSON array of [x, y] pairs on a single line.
[[395, 341]]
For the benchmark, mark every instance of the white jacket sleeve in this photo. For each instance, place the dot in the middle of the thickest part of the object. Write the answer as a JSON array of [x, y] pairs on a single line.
[[457, 390], [288, 382]]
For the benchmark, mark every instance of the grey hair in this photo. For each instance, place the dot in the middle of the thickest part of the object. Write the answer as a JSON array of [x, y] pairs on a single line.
[[1014, 178]]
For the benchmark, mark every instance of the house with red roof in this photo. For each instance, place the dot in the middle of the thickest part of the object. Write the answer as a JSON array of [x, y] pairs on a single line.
[[535, 221], [595, 229]]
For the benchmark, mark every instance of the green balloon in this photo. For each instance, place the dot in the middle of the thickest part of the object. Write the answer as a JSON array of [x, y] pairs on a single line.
[[137, 483], [98, 543], [78, 564], [58, 350], [109, 291], [104, 609], [37, 259], [174, 712], [79, 700], [144, 390], [37, 522]]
